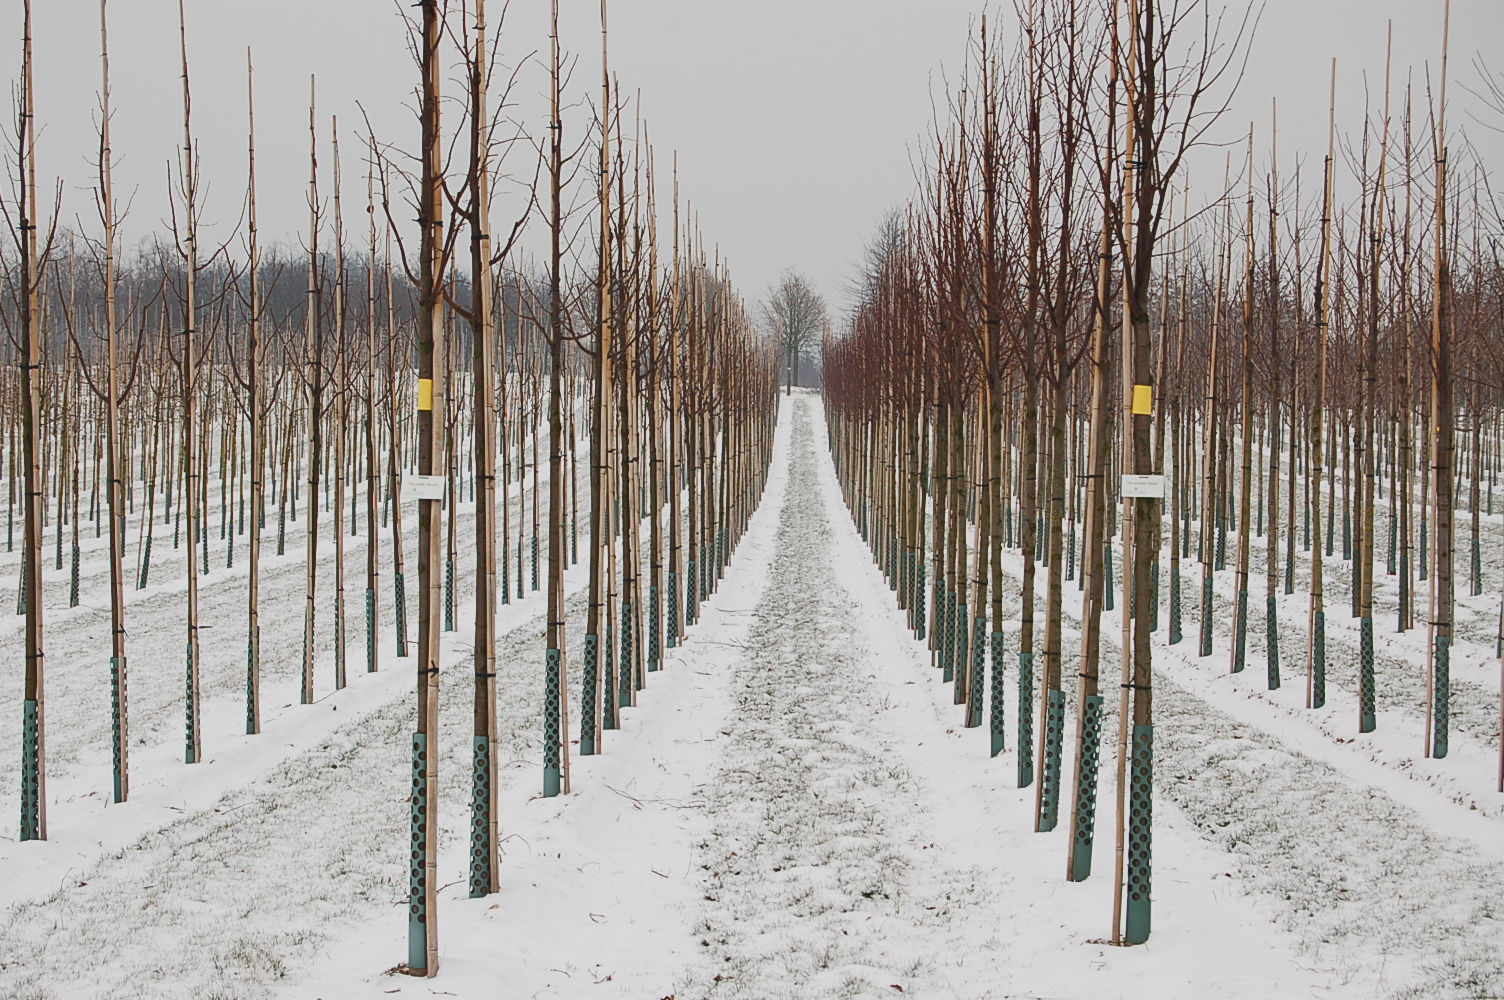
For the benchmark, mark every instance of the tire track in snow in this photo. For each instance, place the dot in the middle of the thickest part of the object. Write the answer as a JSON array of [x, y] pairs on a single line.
[[815, 885]]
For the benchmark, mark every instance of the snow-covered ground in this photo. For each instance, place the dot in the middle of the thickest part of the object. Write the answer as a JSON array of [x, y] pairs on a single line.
[[792, 810]]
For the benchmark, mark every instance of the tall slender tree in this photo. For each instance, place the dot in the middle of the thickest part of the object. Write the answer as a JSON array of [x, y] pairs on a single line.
[[423, 938]]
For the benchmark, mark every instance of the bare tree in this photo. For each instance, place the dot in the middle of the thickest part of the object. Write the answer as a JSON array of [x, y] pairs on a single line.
[[795, 313]]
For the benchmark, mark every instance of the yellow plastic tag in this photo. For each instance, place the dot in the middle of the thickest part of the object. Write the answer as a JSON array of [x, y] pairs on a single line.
[[425, 394], [1143, 400]]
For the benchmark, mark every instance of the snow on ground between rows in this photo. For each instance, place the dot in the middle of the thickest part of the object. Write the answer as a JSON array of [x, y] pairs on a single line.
[[600, 887], [219, 879], [791, 812], [1210, 939], [83, 822]]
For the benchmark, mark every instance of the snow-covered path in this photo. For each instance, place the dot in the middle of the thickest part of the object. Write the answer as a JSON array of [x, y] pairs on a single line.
[[819, 880], [792, 810]]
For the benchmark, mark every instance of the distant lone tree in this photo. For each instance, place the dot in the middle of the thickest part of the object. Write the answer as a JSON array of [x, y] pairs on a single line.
[[795, 313]]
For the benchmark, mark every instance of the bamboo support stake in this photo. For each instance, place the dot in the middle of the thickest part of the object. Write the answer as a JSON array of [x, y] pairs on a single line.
[[395, 459], [115, 467], [1029, 458], [314, 390], [484, 857], [373, 459], [1316, 627], [1442, 444], [1089, 700], [255, 417], [1245, 437], [341, 413], [556, 704], [193, 751], [1210, 416], [1276, 421], [33, 709], [423, 942], [595, 715], [1364, 569]]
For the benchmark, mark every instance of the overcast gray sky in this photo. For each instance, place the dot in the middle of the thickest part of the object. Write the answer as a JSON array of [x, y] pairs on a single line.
[[796, 121]]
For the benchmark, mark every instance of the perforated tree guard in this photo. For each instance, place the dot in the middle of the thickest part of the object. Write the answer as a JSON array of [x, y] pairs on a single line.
[[1441, 713], [339, 645], [1025, 719], [589, 685], [1107, 587], [1240, 634], [252, 671], [1318, 660], [963, 655], [948, 656], [626, 682], [1054, 736], [1425, 535], [1367, 719], [608, 679], [1087, 766], [1154, 596], [481, 876], [31, 772], [399, 608], [553, 696], [1271, 641], [919, 600], [506, 577], [1175, 611], [654, 650], [672, 624], [417, 877], [906, 580], [1206, 617], [370, 631], [449, 595], [117, 726], [1140, 835], [978, 672], [141, 581], [997, 710], [190, 712]]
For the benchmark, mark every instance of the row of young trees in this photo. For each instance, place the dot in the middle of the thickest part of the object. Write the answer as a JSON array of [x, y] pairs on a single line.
[[1048, 335], [682, 400], [617, 380], [168, 379]]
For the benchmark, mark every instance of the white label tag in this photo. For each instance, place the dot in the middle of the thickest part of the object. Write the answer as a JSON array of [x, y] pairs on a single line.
[[1144, 486], [424, 487]]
